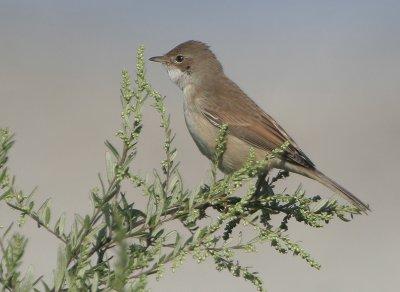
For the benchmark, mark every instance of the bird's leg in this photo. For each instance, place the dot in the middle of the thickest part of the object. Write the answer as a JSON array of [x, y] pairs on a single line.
[[261, 182]]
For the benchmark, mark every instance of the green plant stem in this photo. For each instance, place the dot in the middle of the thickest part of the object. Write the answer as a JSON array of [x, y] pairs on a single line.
[[38, 221]]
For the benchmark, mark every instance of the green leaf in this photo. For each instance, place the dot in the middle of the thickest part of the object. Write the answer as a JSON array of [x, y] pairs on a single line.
[[103, 189], [42, 210], [177, 245], [8, 229], [254, 216], [3, 175], [112, 149], [150, 210], [60, 224], [46, 287], [60, 270], [47, 215], [111, 162], [198, 234], [175, 187], [193, 195], [95, 283]]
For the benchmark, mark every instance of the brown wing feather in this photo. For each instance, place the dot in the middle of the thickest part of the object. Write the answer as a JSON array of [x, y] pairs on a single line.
[[247, 121]]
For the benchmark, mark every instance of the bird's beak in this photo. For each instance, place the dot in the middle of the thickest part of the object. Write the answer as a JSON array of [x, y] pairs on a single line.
[[159, 59]]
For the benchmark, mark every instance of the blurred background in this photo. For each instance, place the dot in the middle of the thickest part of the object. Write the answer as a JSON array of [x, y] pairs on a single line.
[[328, 71]]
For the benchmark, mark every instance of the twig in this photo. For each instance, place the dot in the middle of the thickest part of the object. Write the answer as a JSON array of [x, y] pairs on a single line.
[[38, 221]]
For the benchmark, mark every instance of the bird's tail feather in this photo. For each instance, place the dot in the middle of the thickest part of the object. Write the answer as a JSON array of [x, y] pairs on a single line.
[[329, 183]]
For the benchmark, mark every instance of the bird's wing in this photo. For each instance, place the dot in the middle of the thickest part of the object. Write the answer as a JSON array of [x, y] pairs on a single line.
[[248, 122]]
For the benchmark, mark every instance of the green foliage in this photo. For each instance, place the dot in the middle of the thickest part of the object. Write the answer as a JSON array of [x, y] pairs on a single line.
[[118, 246]]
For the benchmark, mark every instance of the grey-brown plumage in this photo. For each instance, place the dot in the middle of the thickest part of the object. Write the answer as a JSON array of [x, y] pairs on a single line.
[[212, 99]]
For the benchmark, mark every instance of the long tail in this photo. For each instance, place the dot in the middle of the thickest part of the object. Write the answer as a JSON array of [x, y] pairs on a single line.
[[329, 183]]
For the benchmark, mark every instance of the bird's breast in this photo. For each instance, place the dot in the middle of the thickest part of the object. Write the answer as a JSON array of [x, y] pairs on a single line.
[[203, 133]]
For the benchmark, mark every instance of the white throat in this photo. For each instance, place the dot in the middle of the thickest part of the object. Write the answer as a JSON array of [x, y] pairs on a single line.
[[180, 78]]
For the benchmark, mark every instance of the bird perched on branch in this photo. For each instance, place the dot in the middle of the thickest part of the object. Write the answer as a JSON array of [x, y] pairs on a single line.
[[211, 100]]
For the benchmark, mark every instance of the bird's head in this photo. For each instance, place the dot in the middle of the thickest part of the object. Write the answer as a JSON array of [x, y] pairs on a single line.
[[191, 62]]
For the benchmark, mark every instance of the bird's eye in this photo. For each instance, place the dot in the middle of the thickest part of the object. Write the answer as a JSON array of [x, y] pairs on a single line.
[[179, 59]]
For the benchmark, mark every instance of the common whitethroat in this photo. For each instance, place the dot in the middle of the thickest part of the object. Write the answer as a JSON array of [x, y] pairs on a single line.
[[211, 99]]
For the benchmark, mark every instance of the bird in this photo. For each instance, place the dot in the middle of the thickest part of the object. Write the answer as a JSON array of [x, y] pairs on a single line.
[[211, 100]]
